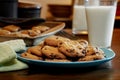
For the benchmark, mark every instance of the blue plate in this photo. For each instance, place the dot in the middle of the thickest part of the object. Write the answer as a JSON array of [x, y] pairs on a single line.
[[108, 52]]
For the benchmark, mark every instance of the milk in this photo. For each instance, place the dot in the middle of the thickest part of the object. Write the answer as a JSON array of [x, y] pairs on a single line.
[[79, 19], [100, 20]]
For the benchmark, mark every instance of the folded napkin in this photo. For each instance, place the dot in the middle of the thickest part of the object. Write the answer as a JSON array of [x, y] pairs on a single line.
[[6, 53], [17, 45], [8, 56], [13, 66]]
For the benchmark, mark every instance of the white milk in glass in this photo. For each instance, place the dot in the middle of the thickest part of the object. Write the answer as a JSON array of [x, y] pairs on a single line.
[[100, 21], [79, 20]]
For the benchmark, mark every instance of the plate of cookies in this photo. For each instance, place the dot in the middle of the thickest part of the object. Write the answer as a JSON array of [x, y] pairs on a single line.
[[56, 51]]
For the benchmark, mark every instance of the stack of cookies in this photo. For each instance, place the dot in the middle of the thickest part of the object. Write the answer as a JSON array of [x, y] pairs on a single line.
[[60, 49]]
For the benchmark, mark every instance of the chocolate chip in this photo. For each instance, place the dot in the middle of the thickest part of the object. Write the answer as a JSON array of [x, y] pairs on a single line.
[[51, 55], [25, 54], [95, 59], [97, 52], [70, 50], [93, 54], [97, 48], [80, 48], [84, 51], [57, 37], [60, 43]]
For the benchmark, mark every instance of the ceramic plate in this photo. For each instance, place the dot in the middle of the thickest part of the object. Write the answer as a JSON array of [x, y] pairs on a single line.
[[108, 52]]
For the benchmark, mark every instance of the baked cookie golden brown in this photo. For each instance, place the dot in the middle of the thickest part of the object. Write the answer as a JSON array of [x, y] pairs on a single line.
[[54, 40], [52, 52], [90, 50], [36, 50], [91, 57], [40, 28], [92, 53], [70, 49], [4, 32], [12, 28], [29, 33], [31, 56]]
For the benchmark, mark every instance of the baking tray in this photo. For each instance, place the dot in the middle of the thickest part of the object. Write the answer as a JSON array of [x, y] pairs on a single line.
[[30, 41]]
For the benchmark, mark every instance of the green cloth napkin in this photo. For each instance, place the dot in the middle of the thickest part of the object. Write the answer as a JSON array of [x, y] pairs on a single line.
[[13, 66], [8, 57]]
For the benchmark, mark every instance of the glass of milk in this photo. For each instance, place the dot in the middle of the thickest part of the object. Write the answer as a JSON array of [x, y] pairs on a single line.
[[79, 18], [100, 16]]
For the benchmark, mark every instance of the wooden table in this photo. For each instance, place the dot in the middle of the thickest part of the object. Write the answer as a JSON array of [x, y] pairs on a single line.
[[110, 70]]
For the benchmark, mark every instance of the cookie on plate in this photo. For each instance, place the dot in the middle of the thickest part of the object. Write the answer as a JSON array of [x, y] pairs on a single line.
[[52, 52], [90, 50], [71, 49], [53, 40], [31, 56], [91, 58], [36, 50], [92, 53]]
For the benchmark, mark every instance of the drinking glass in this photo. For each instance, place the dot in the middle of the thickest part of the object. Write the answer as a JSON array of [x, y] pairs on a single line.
[[79, 18], [100, 20]]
